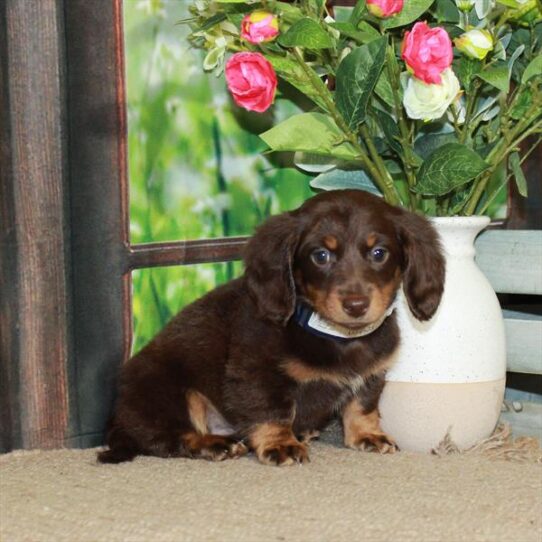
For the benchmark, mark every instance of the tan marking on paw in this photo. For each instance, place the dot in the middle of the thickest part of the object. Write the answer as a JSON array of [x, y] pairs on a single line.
[[213, 447], [275, 444], [198, 406], [362, 430]]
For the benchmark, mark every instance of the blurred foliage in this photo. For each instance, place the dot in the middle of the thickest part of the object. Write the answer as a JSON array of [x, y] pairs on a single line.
[[195, 163]]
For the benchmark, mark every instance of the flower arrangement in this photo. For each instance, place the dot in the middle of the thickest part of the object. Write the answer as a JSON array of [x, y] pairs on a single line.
[[425, 102]]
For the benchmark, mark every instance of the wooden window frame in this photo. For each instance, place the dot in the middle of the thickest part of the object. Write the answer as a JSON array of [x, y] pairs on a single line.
[[65, 264], [65, 252]]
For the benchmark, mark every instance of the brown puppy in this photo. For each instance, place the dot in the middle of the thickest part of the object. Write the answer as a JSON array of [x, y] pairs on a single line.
[[305, 334]]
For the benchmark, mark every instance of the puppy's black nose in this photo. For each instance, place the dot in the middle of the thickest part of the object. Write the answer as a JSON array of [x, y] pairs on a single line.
[[355, 306]]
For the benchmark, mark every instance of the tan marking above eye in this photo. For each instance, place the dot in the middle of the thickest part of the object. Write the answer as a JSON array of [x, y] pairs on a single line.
[[330, 242], [371, 240]]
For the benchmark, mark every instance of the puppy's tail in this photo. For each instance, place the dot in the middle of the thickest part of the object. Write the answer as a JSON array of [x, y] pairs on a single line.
[[122, 447]]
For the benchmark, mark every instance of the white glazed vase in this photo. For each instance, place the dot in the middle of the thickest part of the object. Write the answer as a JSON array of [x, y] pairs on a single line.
[[450, 372]]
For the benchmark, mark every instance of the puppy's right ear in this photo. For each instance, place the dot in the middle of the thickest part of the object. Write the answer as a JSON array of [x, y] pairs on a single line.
[[424, 266], [268, 267]]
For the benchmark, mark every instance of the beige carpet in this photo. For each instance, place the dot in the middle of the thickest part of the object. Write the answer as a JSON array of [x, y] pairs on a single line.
[[342, 495]]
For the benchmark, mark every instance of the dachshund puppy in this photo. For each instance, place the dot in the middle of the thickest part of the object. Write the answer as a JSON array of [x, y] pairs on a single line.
[[307, 333]]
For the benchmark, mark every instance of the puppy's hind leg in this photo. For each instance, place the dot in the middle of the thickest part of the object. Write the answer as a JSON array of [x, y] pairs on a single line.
[[121, 447], [200, 442]]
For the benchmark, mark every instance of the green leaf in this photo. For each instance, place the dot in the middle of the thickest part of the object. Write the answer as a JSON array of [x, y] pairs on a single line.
[[498, 76], [446, 11], [293, 73], [340, 179], [356, 78], [428, 143], [533, 69], [236, 19], [342, 14], [411, 11], [306, 33], [515, 166], [371, 32], [314, 163], [384, 89], [212, 21], [482, 8], [466, 69], [358, 12], [317, 6], [310, 132], [289, 13], [390, 129], [522, 103], [448, 167], [364, 34]]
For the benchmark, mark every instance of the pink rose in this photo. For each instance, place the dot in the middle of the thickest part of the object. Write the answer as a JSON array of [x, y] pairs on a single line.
[[251, 80], [384, 8], [427, 52], [259, 26]]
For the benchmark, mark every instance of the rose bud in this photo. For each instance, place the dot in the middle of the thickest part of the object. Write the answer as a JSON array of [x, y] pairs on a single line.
[[259, 26], [384, 8], [427, 52], [430, 101], [464, 5], [475, 43], [251, 81]]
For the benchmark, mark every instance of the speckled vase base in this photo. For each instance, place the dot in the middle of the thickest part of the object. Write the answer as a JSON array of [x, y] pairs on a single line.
[[470, 411]]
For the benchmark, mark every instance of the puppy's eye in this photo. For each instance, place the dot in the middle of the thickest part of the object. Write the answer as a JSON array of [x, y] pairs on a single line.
[[378, 254], [321, 256]]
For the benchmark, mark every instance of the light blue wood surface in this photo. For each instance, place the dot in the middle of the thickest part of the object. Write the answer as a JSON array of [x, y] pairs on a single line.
[[511, 260]]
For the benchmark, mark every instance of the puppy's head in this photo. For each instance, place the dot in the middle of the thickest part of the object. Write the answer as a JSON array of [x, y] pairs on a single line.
[[344, 253]]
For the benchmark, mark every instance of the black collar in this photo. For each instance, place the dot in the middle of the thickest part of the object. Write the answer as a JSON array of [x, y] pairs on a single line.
[[312, 322]]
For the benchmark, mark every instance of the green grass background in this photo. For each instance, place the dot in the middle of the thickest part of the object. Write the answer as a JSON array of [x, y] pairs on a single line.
[[195, 164]]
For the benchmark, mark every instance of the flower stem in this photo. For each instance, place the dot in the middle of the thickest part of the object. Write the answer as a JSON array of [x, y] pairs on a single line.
[[471, 101], [403, 128], [495, 192], [500, 153], [381, 166], [381, 178]]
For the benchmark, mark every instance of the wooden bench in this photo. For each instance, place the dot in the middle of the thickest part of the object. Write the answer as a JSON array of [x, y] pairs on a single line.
[[512, 261]]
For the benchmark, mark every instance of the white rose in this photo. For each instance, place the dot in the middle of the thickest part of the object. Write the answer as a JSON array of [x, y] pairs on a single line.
[[428, 102]]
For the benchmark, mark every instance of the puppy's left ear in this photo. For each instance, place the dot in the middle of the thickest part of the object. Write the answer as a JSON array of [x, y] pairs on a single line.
[[424, 267], [268, 267]]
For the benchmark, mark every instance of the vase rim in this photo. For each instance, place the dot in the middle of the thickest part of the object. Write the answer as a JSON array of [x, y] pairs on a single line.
[[461, 221]]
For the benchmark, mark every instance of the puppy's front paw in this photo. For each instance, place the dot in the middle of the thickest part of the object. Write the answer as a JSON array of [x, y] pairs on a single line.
[[284, 454], [275, 444], [373, 442], [362, 430]]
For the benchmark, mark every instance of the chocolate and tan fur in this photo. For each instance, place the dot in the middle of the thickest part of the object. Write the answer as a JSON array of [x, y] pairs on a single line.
[[234, 372]]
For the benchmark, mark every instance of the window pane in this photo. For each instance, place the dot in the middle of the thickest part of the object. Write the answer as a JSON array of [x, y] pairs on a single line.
[[194, 171], [159, 293]]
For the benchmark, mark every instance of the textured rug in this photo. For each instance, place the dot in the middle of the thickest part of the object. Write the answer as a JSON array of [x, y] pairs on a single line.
[[342, 495]]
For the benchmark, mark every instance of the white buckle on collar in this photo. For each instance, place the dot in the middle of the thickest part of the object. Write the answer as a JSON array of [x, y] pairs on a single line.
[[318, 323]]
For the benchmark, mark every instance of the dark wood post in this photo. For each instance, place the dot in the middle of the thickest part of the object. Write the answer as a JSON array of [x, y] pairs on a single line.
[[64, 275], [34, 239], [101, 301]]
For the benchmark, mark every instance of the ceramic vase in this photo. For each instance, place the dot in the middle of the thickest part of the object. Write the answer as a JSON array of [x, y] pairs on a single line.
[[449, 374]]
